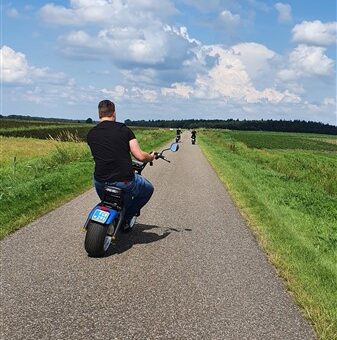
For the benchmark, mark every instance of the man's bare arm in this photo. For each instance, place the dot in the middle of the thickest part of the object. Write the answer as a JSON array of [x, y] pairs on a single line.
[[138, 153]]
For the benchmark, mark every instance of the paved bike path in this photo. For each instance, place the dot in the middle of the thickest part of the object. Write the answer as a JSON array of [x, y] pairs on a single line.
[[190, 270]]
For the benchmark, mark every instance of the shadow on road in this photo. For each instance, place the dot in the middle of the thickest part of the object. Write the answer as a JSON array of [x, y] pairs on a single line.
[[140, 235]]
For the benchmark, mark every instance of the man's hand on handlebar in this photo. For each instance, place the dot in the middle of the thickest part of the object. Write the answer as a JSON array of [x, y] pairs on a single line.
[[153, 156]]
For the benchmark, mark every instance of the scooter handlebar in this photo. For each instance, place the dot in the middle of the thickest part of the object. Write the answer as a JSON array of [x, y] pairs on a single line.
[[158, 155]]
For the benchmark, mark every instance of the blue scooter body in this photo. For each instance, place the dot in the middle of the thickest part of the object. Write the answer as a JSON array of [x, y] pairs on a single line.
[[103, 214]]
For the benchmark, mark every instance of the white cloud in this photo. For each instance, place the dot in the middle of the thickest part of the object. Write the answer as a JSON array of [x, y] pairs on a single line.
[[117, 92], [255, 57], [14, 66], [130, 33], [284, 12], [260, 5], [315, 33], [228, 80], [107, 12], [155, 45], [144, 94], [12, 12], [180, 90], [329, 101], [307, 61], [15, 69], [228, 19], [122, 93]]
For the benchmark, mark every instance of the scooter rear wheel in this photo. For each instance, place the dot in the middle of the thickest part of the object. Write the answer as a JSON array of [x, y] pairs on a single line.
[[96, 241]]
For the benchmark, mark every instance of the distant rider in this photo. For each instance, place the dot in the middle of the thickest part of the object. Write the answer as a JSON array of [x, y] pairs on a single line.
[[194, 134], [178, 133], [111, 143]]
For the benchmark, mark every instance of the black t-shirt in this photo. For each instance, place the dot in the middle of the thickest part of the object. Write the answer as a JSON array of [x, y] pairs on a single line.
[[109, 144]]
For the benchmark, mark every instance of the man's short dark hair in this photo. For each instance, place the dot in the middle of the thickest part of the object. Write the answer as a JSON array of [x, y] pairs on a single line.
[[106, 108]]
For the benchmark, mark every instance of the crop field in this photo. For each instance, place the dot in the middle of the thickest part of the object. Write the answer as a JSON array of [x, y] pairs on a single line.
[[284, 141], [19, 123], [286, 186], [61, 132], [38, 175]]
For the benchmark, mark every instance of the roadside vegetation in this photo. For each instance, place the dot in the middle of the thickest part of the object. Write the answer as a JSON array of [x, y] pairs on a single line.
[[39, 175], [286, 186]]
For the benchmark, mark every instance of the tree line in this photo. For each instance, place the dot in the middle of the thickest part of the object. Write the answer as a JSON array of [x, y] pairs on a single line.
[[236, 124], [44, 119], [231, 124]]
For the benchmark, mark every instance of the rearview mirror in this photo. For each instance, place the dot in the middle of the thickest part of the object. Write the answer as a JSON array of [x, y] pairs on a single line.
[[174, 147]]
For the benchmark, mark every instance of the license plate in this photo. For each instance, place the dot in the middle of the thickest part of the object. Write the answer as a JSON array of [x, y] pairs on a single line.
[[100, 216]]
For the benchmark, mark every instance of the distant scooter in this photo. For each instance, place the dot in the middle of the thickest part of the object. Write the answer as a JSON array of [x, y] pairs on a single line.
[[106, 218], [193, 138]]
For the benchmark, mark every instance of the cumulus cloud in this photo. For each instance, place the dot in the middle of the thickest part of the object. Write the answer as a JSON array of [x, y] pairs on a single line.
[[155, 46], [228, 80], [129, 33], [16, 70], [12, 12], [255, 57], [117, 92], [228, 19], [315, 33], [307, 61], [14, 66], [329, 101], [144, 94], [107, 12], [181, 90], [284, 12], [134, 92]]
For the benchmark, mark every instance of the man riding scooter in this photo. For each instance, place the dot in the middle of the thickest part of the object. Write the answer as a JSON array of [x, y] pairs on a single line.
[[178, 135], [193, 136], [111, 143]]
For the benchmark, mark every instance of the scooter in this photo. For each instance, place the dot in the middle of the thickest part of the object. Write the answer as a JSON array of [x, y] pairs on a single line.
[[106, 218], [178, 138], [193, 138]]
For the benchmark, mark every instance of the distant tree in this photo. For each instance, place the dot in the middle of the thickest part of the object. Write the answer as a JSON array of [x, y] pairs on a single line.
[[89, 121], [246, 125]]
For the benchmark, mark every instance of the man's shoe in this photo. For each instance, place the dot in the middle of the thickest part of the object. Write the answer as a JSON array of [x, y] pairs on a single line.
[[128, 226]]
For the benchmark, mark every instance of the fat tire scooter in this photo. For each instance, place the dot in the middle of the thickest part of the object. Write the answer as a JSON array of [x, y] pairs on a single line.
[[106, 218]]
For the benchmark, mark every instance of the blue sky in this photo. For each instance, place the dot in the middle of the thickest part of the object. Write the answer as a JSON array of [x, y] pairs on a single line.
[[170, 59]]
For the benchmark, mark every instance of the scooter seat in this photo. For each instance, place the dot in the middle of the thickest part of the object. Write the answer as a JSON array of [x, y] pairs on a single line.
[[113, 197]]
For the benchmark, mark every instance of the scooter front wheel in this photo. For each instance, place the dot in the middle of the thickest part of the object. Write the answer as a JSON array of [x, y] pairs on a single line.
[[96, 241]]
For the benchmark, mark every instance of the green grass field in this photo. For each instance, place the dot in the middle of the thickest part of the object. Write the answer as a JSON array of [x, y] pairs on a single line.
[[39, 175], [286, 186]]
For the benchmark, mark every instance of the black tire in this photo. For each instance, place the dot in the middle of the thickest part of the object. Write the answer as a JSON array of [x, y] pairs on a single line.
[[94, 239]]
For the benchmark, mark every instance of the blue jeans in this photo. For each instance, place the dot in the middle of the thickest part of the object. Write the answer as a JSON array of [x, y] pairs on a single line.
[[136, 193]]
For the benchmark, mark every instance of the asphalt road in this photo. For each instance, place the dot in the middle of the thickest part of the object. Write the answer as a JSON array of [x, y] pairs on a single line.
[[190, 270]]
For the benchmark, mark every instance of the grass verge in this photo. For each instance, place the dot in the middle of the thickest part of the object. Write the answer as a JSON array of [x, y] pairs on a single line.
[[289, 198], [34, 185]]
